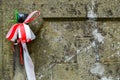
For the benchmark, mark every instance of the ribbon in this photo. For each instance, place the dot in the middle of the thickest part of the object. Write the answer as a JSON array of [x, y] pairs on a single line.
[[22, 33]]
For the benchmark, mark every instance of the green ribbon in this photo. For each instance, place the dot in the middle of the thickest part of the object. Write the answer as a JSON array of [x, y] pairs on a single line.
[[15, 20], [16, 16]]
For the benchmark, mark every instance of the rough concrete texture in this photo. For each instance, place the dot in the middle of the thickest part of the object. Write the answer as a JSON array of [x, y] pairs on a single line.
[[65, 50]]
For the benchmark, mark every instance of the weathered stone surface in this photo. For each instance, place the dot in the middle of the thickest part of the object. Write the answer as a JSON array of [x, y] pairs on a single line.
[[77, 8], [108, 8], [68, 8], [63, 50], [112, 70], [110, 49], [57, 42], [65, 72], [85, 60]]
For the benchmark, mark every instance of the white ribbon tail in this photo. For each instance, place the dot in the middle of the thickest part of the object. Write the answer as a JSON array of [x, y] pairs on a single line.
[[29, 67]]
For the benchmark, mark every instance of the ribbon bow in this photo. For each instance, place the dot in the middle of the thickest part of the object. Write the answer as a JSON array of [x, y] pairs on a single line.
[[22, 33]]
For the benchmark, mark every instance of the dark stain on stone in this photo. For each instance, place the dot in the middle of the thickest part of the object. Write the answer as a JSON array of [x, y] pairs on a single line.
[[110, 71], [78, 11], [60, 7], [91, 39], [75, 61], [109, 12], [81, 4], [34, 4], [101, 31], [53, 57], [99, 77], [66, 68], [107, 64], [42, 5], [53, 10], [101, 56]]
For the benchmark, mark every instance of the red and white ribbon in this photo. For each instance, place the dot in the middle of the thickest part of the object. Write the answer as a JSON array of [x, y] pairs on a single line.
[[23, 33], [21, 30]]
